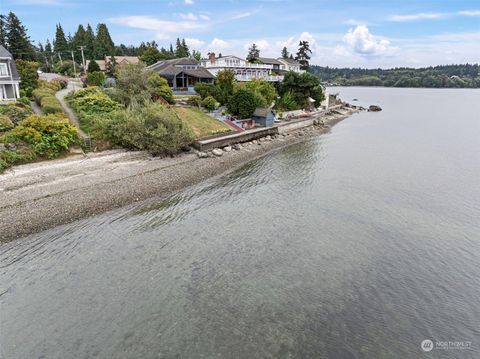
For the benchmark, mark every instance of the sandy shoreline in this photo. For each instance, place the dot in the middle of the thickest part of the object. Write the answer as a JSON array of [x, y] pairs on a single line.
[[39, 196]]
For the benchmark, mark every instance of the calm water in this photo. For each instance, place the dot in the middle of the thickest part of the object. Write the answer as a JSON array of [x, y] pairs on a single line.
[[359, 244]]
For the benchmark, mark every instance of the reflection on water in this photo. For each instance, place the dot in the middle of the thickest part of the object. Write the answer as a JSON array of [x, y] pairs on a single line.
[[359, 244]]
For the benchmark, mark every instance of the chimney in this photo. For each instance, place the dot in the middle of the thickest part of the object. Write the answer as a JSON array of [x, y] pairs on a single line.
[[212, 58]]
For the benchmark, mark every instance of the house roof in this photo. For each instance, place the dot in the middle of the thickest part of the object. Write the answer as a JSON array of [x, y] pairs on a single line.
[[269, 61], [289, 61], [4, 53], [262, 111], [129, 59], [101, 64], [169, 69]]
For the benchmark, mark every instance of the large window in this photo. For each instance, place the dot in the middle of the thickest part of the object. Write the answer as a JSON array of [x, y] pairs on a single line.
[[3, 69]]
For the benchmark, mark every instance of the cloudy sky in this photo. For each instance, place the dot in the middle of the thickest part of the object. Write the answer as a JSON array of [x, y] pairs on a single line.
[[367, 33]]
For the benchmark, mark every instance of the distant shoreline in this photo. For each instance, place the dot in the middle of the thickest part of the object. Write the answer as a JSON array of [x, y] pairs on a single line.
[[40, 196]]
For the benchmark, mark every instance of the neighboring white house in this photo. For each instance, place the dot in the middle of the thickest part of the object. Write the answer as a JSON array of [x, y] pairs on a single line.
[[9, 78], [243, 71], [290, 65]]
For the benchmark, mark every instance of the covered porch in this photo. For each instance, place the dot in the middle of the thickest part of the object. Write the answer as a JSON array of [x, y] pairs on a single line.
[[9, 92]]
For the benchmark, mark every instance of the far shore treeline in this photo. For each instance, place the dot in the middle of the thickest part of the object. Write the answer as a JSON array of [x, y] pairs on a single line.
[[446, 76]]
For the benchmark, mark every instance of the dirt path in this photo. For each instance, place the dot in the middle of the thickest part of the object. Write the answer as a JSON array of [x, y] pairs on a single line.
[[60, 95]]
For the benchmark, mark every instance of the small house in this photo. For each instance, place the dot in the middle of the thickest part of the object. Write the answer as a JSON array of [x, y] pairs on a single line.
[[9, 78], [264, 116]]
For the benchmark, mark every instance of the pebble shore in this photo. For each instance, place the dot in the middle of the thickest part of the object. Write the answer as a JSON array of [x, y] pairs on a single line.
[[39, 196]]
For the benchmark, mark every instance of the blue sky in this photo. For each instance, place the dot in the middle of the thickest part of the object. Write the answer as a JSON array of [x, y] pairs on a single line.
[[342, 32]]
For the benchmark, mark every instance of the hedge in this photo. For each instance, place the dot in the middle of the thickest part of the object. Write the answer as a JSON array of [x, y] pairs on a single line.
[[50, 104], [40, 93]]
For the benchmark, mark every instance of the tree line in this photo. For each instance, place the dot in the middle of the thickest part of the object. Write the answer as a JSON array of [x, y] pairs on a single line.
[[302, 56], [94, 44], [444, 76]]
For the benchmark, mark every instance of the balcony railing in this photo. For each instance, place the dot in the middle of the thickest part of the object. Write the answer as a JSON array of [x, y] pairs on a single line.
[[240, 66], [251, 77]]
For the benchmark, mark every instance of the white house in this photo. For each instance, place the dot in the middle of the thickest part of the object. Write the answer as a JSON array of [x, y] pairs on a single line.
[[9, 78], [289, 65], [243, 71]]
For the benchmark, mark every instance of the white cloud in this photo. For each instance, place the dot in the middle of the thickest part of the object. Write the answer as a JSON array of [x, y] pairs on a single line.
[[241, 15], [217, 45], [204, 17], [416, 17], [188, 2], [188, 16], [362, 42], [354, 22], [195, 43], [469, 13], [162, 27]]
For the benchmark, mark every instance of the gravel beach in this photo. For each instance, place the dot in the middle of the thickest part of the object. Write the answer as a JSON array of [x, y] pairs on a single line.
[[39, 196]]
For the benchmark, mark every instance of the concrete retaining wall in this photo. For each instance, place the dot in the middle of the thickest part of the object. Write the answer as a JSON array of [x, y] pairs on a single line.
[[219, 142]]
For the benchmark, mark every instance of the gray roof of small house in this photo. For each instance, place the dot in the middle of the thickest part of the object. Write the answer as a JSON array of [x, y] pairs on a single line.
[[5, 54], [262, 111], [269, 61]]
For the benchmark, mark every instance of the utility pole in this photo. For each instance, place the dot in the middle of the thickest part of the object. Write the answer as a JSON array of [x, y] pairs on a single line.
[[74, 71], [83, 59]]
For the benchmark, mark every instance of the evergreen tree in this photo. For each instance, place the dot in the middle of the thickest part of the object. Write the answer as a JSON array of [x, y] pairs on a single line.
[[186, 50], [178, 49], [196, 55], [151, 55], [3, 31], [60, 44], [111, 67], [93, 66], [48, 47], [89, 42], [104, 45], [303, 56], [285, 53], [253, 53], [78, 38], [172, 53], [17, 39]]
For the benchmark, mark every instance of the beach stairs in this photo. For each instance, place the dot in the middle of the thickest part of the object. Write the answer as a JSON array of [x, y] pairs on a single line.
[[87, 143], [234, 126]]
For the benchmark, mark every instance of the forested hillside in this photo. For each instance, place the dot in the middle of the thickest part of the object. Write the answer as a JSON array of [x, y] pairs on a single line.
[[448, 76]]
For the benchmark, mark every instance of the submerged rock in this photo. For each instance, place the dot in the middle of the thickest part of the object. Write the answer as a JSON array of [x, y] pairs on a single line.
[[374, 108]]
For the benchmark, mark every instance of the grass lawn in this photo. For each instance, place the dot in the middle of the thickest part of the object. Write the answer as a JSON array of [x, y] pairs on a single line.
[[201, 124]]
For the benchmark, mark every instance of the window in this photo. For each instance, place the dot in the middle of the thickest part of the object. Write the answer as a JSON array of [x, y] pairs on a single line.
[[3, 69]]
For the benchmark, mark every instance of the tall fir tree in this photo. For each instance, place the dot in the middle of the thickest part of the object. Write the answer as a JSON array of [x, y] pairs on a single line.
[[178, 49], [185, 49], [253, 53], [17, 40], [285, 53], [60, 44], [303, 55], [104, 45], [89, 43], [3, 31]]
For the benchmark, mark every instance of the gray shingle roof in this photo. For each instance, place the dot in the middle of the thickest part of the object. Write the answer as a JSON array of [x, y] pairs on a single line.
[[5, 54], [168, 69], [291, 61], [269, 61]]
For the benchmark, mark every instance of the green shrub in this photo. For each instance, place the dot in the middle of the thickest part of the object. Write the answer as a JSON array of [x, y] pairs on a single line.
[[204, 90], [66, 68], [50, 85], [209, 103], [195, 101], [48, 136], [50, 104], [243, 103], [159, 87], [10, 158], [28, 73], [96, 78], [40, 93], [93, 66], [264, 89], [5, 123], [287, 102], [151, 127], [16, 112]]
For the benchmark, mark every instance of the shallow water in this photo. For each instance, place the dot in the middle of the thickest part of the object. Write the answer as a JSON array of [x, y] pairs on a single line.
[[358, 244]]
